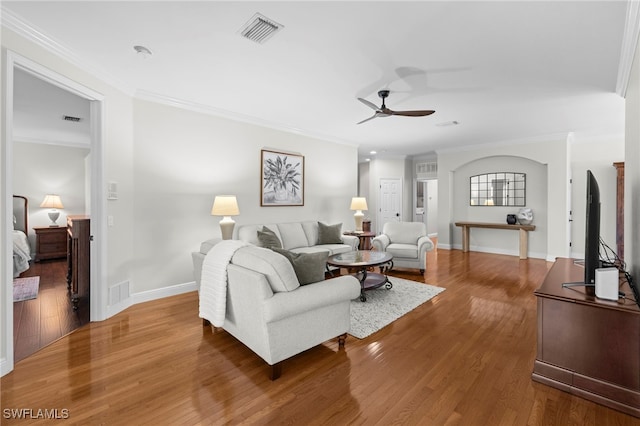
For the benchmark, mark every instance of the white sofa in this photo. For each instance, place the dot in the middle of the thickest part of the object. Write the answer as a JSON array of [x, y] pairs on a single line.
[[407, 242], [298, 237], [272, 314]]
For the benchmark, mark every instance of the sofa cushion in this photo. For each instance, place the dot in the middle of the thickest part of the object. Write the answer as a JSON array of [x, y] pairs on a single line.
[[292, 235], [329, 234], [274, 266], [249, 233], [309, 267], [329, 248], [268, 239], [403, 250], [404, 232]]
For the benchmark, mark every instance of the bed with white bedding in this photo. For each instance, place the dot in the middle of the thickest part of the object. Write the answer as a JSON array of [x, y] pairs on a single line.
[[21, 249]]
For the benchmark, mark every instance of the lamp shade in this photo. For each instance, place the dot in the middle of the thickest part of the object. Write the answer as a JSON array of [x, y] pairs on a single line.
[[225, 205], [52, 201], [359, 203]]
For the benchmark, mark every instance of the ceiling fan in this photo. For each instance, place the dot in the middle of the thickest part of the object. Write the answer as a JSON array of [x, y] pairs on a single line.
[[383, 111]]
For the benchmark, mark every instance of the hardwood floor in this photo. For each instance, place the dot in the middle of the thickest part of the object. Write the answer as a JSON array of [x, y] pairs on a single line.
[[38, 322], [463, 358]]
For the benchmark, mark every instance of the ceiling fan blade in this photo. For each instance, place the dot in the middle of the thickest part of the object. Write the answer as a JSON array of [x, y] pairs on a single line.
[[418, 113], [367, 119], [369, 104]]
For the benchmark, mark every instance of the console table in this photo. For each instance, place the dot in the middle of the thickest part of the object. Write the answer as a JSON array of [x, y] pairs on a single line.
[[524, 233], [587, 346]]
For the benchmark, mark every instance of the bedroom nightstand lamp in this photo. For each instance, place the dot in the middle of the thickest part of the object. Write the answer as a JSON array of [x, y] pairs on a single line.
[[226, 206], [52, 202], [358, 204]]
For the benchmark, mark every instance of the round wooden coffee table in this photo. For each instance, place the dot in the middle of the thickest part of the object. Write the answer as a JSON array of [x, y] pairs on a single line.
[[362, 260]]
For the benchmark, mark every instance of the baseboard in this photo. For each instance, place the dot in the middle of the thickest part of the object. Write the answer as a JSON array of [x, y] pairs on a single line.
[[493, 250], [119, 307], [160, 293], [149, 295]]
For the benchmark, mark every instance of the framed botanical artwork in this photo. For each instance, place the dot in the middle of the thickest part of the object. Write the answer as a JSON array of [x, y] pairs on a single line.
[[282, 179]]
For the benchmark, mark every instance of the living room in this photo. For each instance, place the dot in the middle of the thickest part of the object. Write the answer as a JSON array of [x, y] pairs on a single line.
[[169, 160]]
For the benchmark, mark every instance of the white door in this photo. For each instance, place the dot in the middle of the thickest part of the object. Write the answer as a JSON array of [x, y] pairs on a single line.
[[390, 201]]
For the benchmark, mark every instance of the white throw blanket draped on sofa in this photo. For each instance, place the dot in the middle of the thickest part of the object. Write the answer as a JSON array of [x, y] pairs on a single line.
[[213, 283]]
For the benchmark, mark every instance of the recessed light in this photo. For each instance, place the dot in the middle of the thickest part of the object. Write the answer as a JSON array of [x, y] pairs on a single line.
[[372, 152]]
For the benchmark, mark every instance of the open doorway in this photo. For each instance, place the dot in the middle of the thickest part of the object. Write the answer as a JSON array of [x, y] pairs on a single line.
[[51, 158], [48, 146], [426, 209]]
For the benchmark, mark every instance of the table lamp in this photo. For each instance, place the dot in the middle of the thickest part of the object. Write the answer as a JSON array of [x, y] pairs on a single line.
[[358, 204], [53, 202], [226, 206]]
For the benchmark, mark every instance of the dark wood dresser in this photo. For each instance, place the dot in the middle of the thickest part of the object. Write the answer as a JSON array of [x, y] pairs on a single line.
[[588, 346], [51, 242], [78, 258]]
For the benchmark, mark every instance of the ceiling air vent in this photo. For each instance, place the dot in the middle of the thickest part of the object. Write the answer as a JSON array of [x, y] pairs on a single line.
[[71, 118], [260, 28]]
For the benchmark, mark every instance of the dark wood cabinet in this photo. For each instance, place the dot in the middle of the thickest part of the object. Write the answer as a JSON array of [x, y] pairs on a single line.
[[78, 259], [588, 346], [620, 209], [51, 242]]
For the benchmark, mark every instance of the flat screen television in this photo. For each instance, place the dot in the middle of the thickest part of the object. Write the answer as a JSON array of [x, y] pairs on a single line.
[[592, 234]]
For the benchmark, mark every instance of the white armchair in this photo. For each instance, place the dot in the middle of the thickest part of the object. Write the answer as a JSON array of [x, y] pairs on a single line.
[[407, 242]]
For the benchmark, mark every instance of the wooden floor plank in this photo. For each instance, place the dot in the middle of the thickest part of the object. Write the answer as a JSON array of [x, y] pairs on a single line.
[[38, 322], [463, 358]]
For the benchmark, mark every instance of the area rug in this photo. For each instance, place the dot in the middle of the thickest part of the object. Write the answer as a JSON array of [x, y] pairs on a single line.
[[25, 288], [385, 306]]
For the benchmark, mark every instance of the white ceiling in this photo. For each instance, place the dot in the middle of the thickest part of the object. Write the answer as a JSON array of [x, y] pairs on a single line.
[[504, 70]]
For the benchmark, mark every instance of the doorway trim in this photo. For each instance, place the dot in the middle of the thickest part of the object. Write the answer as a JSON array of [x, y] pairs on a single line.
[[98, 224]]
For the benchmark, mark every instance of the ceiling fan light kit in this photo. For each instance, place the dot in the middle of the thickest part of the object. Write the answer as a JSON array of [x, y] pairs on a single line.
[[383, 111]]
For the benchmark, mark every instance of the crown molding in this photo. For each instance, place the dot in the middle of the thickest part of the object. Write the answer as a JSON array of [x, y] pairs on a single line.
[[145, 95], [18, 25], [24, 29], [629, 44]]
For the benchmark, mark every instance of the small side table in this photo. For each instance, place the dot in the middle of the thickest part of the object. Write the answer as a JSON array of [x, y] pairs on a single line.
[[51, 242], [365, 238]]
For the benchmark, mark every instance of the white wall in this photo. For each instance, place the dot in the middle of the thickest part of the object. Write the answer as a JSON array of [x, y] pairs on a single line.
[[548, 192], [596, 153], [501, 241], [632, 171], [184, 158], [431, 206], [550, 151], [48, 169]]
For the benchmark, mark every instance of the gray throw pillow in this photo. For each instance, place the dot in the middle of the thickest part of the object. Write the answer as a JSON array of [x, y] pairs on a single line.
[[268, 239], [329, 234], [309, 267]]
